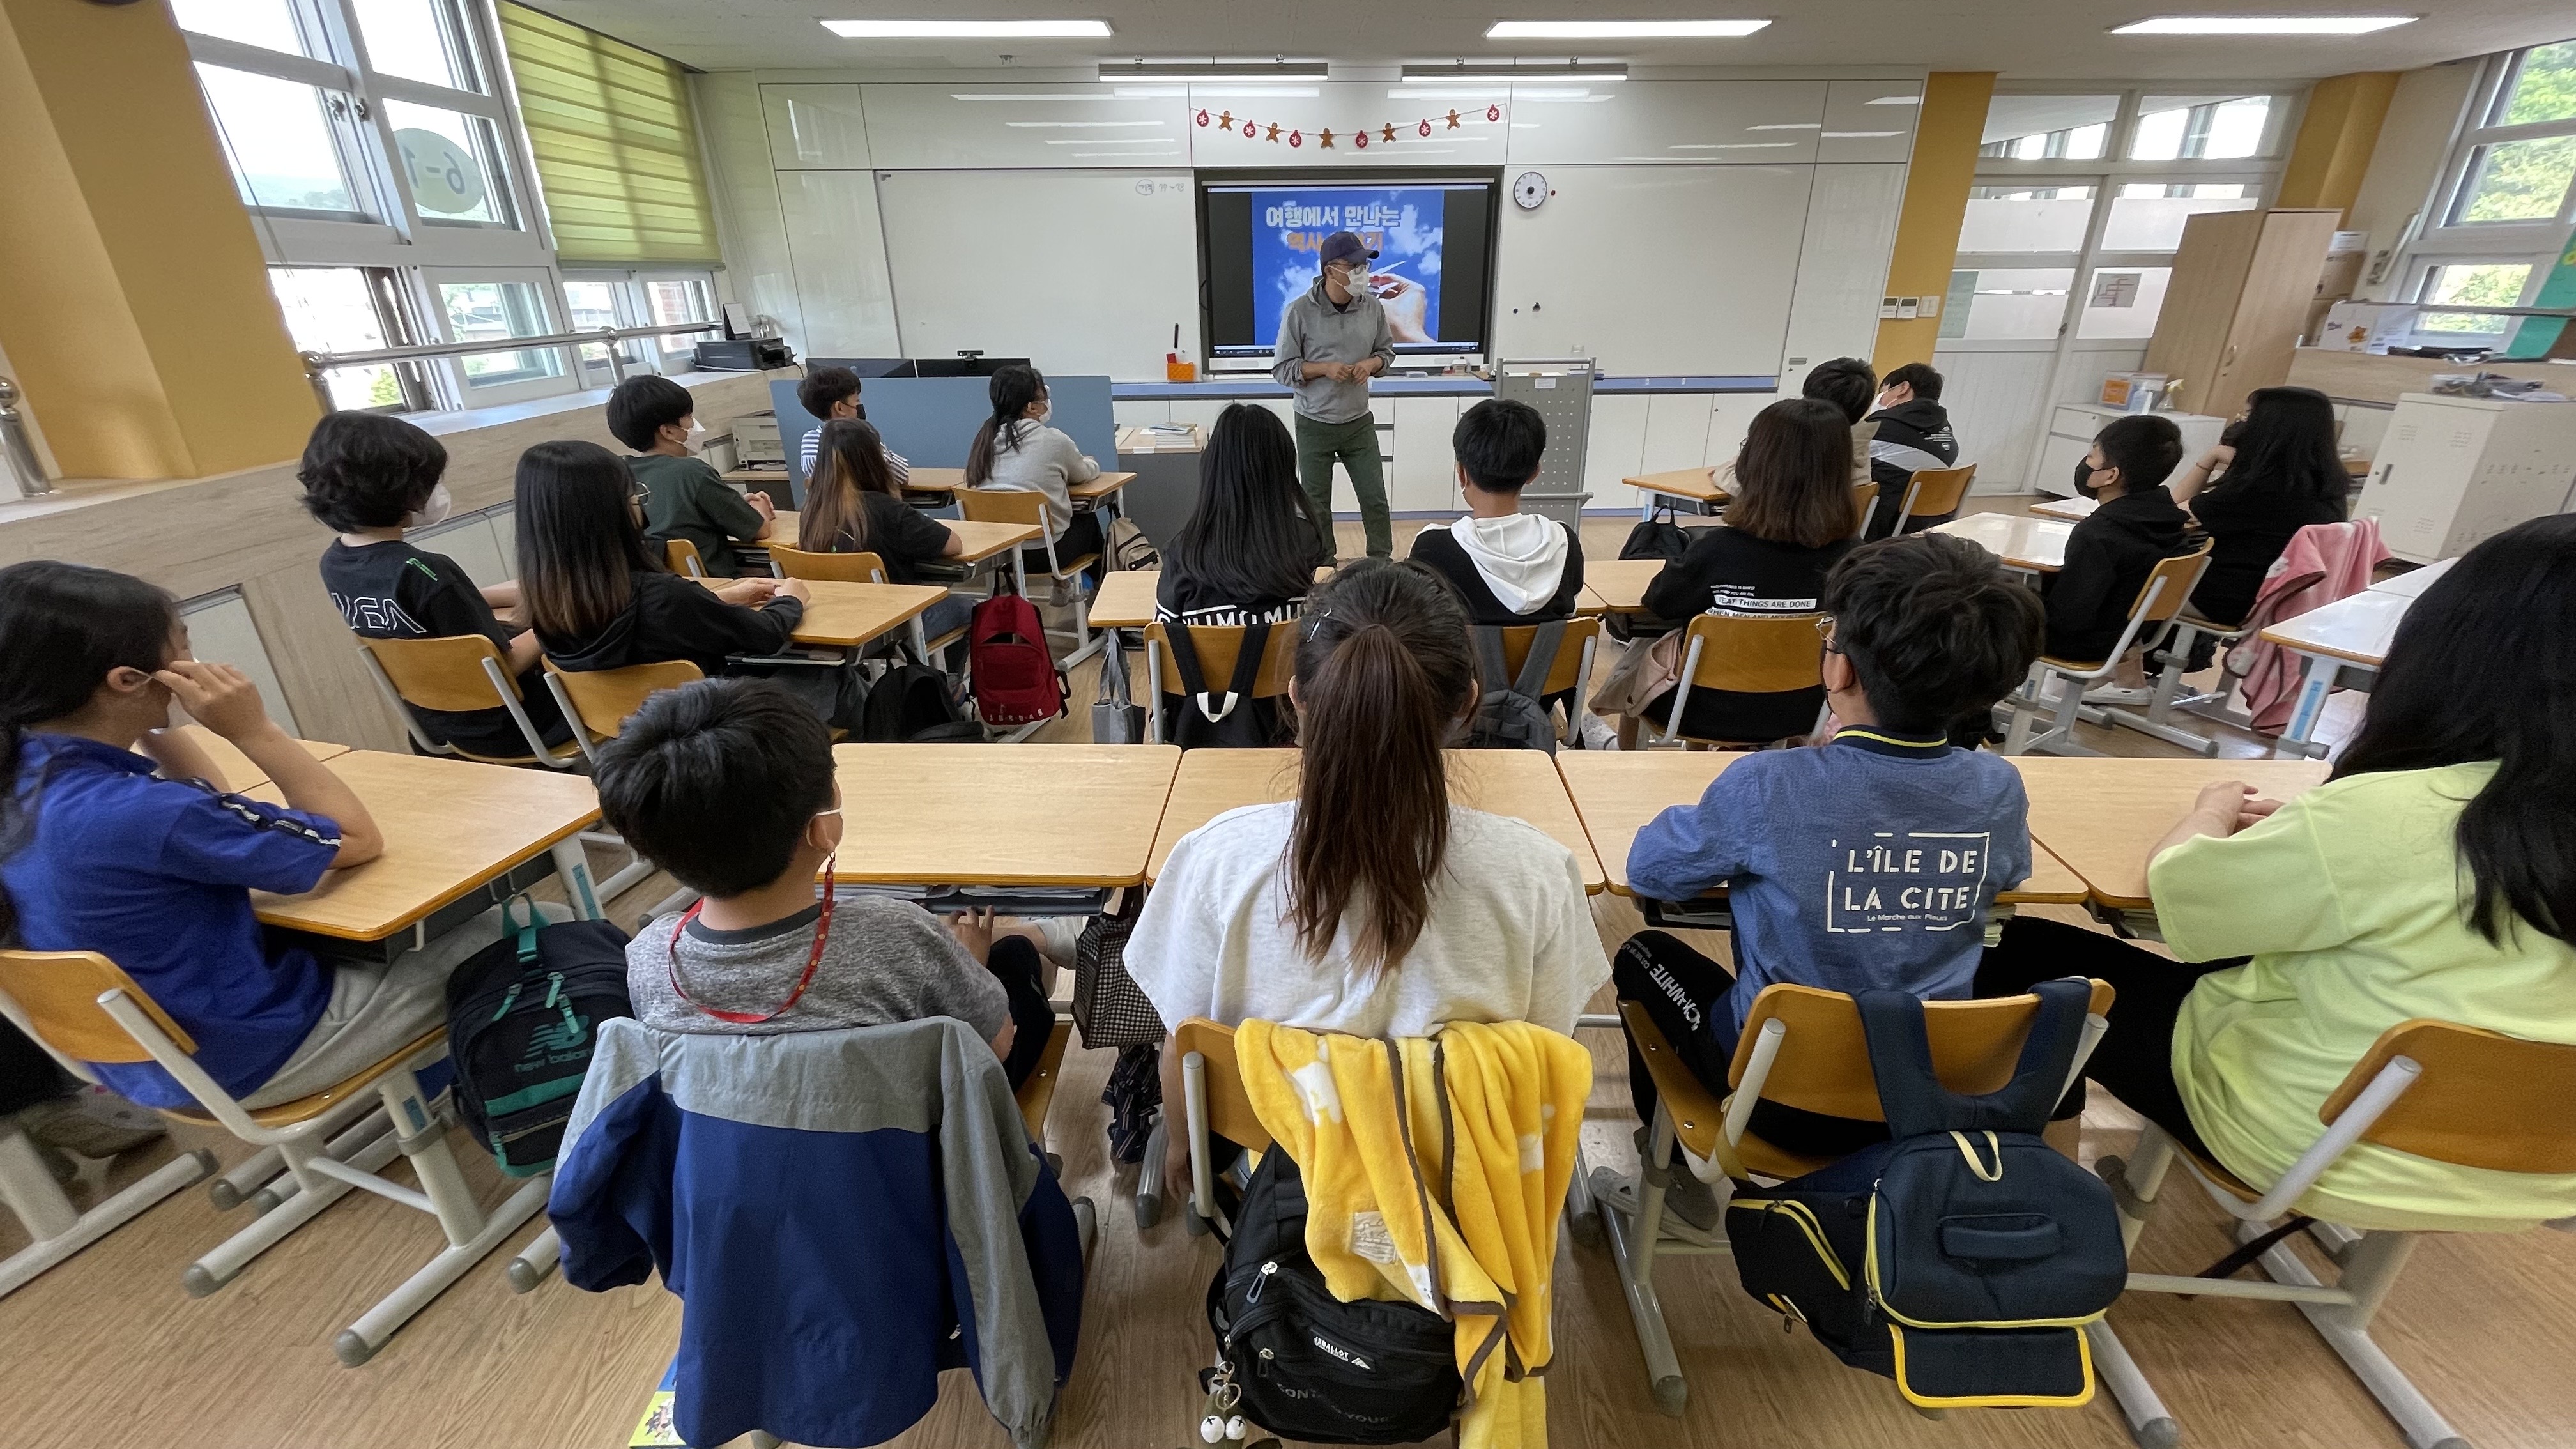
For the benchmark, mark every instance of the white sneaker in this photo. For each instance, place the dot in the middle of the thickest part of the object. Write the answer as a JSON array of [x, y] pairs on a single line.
[[2117, 694], [1061, 933], [1597, 734]]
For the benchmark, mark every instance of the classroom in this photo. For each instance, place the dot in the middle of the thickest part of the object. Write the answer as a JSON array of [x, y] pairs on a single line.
[[849, 722]]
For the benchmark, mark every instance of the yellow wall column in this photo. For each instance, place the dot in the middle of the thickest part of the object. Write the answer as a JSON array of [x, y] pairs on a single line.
[[134, 301], [1946, 136], [2336, 135]]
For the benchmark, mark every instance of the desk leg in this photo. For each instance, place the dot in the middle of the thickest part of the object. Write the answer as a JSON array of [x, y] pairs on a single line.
[[2313, 689], [572, 866], [1019, 574]]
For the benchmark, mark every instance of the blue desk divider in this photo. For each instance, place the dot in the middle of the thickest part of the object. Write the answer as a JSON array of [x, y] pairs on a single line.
[[793, 424], [932, 421]]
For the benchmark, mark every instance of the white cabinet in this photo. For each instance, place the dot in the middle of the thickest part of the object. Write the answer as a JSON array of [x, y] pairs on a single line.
[[815, 127], [1422, 476], [1676, 431], [2071, 427], [1614, 447], [2454, 470]]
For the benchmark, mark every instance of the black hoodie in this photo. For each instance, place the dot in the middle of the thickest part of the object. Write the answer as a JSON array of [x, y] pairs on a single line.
[[1913, 435], [2108, 558], [669, 617]]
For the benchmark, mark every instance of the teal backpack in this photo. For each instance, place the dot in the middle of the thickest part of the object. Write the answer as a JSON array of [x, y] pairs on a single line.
[[522, 1016]]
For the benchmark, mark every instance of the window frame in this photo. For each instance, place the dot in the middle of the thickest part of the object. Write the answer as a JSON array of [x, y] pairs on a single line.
[[2435, 241], [634, 308]]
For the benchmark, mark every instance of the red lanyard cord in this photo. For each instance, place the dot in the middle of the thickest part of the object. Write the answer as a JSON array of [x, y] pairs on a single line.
[[813, 962]]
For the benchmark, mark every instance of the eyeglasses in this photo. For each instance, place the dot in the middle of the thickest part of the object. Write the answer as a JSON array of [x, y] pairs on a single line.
[[1825, 628]]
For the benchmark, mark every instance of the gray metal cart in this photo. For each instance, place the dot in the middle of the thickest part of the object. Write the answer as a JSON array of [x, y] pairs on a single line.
[[1561, 389]]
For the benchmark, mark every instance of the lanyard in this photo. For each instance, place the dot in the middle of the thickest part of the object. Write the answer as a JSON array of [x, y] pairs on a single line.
[[813, 961]]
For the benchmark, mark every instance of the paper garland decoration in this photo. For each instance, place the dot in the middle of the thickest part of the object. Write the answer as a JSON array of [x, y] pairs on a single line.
[[1359, 137]]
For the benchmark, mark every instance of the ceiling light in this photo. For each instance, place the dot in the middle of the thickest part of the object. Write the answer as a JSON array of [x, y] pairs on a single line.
[[1446, 70], [1847, 135], [1789, 126], [1051, 125], [1238, 72], [1898, 101], [2263, 24], [1619, 29], [969, 29]]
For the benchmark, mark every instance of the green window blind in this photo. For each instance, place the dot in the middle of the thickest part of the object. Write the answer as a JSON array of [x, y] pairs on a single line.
[[616, 148]]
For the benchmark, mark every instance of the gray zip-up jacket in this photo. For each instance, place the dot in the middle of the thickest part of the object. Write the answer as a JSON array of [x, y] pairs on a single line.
[[1312, 329]]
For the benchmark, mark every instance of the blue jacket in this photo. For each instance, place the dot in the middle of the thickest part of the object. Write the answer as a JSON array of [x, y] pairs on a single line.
[[795, 1191]]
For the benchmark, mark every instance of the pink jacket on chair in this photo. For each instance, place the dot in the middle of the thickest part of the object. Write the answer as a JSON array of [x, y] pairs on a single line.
[[2324, 562]]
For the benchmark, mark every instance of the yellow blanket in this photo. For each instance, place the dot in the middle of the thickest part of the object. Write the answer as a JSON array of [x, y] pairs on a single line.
[[1435, 1172]]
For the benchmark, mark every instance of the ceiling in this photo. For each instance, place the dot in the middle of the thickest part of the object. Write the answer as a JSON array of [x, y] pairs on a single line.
[[2024, 39]]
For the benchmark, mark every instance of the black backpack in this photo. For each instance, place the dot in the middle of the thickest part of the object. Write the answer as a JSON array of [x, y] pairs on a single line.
[[1232, 720], [1963, 1256], [1510, 715], [1305, 1364], [522, 1016], [1656, 536], [909, 704]]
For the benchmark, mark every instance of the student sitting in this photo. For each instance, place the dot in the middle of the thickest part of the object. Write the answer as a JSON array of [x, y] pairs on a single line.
[[2280, 474], [684, 496], [600, 598], [2433, 875], [1913, 434], [852, 505], [1848, 384], [2110, 553], [727, 784], [1508, 567], [368, 477], [1867, 863], [98, 852], [830, 394], [1249, 553], [1790, 520], [1016, 449], [1371, 904]]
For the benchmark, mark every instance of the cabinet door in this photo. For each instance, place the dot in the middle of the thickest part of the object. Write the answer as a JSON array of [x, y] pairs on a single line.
[[2271, 308], [2199, 312], [1423, 477], [1614, 447], [1676, 431]]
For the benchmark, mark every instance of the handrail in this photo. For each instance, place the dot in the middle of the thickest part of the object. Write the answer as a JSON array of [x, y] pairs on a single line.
[[316, 364], [14, 444]]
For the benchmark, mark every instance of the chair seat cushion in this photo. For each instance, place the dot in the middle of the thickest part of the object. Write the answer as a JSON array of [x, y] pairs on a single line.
[[305, 1109]]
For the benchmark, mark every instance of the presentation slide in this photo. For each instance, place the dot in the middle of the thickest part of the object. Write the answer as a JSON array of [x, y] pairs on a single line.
[[1433, 241]]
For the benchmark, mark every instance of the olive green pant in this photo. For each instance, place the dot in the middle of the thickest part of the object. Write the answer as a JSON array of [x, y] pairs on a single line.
[[1354, 446]]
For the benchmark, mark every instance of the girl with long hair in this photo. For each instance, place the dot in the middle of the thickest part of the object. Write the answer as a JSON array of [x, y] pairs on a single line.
[[2280, 474], [1249, 553], [1016, 449], [854, 504]]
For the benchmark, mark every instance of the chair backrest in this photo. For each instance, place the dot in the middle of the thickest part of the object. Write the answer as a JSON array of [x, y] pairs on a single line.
[[838, 568], [1002, 505], [1757, 654], [1218, 648], [1568, 663], [681, 557], [1864, 499], [1823, 1065], [2180, 575], [442, 674], [1230, 1114], [58, 992], [1936, 491], [603, 698], [2484, 1100]]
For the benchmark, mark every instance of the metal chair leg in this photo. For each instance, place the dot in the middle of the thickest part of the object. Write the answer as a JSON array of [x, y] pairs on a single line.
[[1632, 1250], [57, 1229]]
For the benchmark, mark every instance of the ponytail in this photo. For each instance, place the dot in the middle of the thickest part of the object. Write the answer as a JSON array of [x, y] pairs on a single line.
[[1012, 390], [849, 460], [1383, 672]]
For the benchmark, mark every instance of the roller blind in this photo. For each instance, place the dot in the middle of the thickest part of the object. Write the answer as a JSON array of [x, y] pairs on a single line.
[[615, 145]]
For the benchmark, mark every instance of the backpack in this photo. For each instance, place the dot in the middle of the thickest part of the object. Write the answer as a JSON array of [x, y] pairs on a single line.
[[1016, 681], [522, 1017], [909, 702], [1108, 1005], [1961, 1257], [1232, 720], [1129, 548], [1652, 539], [1303, 1364], [1510, 715]]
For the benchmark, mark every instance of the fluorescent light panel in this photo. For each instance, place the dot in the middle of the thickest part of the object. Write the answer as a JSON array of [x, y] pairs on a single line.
[[969, 29], [2263, 24], [1619, 29], [1235, 71], [1591, 70]]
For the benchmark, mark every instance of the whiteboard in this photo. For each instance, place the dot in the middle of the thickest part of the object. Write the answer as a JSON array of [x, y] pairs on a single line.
[[1078, 271]]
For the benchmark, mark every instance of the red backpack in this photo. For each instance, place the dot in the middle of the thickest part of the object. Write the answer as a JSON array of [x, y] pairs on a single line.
[[1016, 681]]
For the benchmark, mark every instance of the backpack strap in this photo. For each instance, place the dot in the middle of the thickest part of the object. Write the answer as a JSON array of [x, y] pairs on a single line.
[[526, 931], [1900, 1054], [1491, 672], [1541, 659], [1247, 668]]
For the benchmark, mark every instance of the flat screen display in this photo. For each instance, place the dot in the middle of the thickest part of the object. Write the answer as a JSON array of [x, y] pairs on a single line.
[[1261, 241]]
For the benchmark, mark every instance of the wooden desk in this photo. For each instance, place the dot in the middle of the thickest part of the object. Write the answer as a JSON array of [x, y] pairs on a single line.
[[788, 529], [2349, 636], [846, 616], [2073, 510], [449, 826], [2412, 583], [2101, 816], [239, 773], [1518, 783], [1125, 599], [1145, 440], [1695, 486], [1618, 586], [949, 480], [1035, 815], [1104, 486], [1617, 792], [980, 541], [2033, 545]]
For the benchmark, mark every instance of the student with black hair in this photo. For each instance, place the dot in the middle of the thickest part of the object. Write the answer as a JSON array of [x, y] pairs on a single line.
[[2110, 553], [2432, 876], [1913, 435], [1508, 567], [1848, 384], [684, 496], [728, 785], [1867, 863], [1016, 449], [369, 477], [831, 394], [854, 505], [1249, 552], [2277, 474]]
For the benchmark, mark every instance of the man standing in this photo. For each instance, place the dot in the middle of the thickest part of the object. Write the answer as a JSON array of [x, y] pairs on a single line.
[[1332, 341]]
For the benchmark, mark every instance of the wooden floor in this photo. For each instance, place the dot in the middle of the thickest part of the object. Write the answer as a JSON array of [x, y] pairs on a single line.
[[107, 1350]]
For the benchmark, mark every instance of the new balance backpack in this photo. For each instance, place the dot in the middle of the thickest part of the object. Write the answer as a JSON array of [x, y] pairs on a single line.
[[1963, 1256], [1016, 681], [1510, 715], [1301, 1363], [522, 1016], [1229, 719]]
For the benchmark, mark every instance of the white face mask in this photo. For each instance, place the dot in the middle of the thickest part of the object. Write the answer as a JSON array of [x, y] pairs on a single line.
[[433, 510], [1355, 279], [697, 430], [1045, 411]]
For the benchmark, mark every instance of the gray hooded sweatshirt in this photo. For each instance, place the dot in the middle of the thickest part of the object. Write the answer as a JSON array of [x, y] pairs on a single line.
[[1312, 329]]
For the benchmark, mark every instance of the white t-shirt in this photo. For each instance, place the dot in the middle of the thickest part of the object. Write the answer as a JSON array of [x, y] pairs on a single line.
[[1509, 936]]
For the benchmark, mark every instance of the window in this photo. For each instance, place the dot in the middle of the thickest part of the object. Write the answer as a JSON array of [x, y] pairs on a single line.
[[635, 299], [2517, 181], [422, 40], [2026, 218], [289, 143], [352, 309], [2149, 216], [2472, 284], [2049, 128], [2501, 215], [490, 310], [453, 163], [2542, 87], [2007, 303], [2202, 128]]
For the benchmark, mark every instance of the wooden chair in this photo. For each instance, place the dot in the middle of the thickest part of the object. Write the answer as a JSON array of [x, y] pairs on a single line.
[[598, 701], [2160, 598], [1037, 1094], [854, 568], [2432, 1089], [82, 1006], [681, 557], [1801, 1048], [1864, 502], [456, 675], [1213, 1103], [1934, 493], [1218, 649], [1018, 505], [1575, 650], [1746, 654]]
